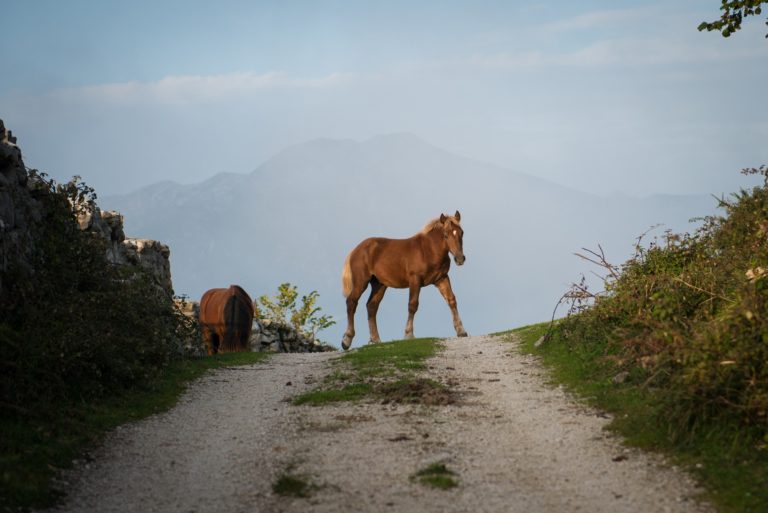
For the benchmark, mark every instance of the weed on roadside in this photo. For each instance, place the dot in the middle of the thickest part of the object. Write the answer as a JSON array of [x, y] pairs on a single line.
[[436, 475]]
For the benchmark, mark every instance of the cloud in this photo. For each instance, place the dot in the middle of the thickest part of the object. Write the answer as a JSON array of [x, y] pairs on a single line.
[[618, 52], [196, 88], [600, 19], [652, 51], [616, 38]]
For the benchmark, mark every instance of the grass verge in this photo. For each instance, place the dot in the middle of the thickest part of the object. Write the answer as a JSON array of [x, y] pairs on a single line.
[[722, 456], [34, 449], [436, 475], [385, 371]]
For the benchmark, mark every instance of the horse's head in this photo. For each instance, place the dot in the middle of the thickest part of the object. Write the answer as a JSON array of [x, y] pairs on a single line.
[[454, 236]]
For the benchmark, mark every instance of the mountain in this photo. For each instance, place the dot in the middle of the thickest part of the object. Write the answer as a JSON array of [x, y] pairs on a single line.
[[297, 216]]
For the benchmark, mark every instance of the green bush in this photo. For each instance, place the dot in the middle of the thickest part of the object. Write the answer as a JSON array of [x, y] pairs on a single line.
[[282, 309], [689, 316], [74, 327]]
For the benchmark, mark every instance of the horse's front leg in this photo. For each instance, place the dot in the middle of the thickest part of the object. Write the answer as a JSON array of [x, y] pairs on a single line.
[[413, 305], [444, 286]]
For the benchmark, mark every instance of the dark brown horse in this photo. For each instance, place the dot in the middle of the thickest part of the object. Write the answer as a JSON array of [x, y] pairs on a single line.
[[403, 263], [226, 316]]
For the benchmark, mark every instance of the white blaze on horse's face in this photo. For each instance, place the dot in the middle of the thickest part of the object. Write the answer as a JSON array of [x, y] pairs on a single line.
[[454, 237]]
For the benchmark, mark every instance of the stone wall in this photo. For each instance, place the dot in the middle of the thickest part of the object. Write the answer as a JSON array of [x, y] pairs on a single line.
[[282, 338]]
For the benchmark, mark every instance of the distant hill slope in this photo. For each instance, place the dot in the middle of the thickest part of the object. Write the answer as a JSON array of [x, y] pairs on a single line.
[[297, 216]]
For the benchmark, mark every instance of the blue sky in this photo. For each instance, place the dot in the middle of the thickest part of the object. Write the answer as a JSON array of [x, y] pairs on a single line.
[[602, 96]]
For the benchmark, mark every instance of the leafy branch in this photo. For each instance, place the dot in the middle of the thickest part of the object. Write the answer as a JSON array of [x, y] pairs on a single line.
[[282, 308], [734, 12]]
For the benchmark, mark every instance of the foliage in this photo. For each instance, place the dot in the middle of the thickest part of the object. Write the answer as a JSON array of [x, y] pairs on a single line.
[[292, 486], [305, 318], [691, 313], [685, 322], [734, 12], [74, 329], [437, 475]]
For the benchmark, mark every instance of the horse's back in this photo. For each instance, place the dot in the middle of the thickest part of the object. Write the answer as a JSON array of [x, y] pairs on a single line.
[[227, 315], [215, 302], [211, 306], [386, 259]]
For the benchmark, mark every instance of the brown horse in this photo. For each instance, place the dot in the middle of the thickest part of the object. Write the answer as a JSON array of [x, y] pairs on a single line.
[[403, 263], [226, 316]]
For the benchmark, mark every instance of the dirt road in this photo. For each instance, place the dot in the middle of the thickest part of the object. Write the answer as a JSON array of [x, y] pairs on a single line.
[[515, 444]]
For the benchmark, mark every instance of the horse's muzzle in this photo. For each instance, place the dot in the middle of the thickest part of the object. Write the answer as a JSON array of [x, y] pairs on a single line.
[[459, 259]]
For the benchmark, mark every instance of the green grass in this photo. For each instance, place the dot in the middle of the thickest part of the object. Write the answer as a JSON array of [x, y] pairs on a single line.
[[32, 450], [289, 485], [351, 392], [437, 475], [363, 371], [724, 458]]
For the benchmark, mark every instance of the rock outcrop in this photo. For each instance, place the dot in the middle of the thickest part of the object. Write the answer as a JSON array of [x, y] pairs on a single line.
[[19, 209], [18, 206], [149, 255]]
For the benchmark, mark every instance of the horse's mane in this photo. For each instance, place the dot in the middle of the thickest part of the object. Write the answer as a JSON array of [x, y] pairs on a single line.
[[434, 224], [431, 225]]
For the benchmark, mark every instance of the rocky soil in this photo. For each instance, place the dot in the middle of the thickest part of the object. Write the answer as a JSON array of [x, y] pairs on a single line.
[[515, 443]]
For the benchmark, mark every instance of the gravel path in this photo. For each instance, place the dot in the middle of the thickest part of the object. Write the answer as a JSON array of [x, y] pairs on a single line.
[[516, 444], [217, 451]]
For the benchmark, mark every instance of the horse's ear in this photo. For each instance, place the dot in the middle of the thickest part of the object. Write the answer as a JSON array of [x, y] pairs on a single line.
[[442, 218], [457, 216]]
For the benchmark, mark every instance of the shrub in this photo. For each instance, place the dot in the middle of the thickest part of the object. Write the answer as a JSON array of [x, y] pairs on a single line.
[[282, 309], [74, 327], [688, 315]]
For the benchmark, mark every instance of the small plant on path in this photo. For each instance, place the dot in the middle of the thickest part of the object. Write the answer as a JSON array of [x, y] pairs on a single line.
[[289, 485], [437, 475]]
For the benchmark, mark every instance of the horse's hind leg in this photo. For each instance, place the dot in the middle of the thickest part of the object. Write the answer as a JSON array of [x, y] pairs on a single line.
[[444, 286], [352, 299], [377, 293], [207, 338]]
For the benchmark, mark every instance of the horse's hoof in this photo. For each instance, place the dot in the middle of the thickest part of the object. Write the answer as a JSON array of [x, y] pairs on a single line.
[[346, 342], [372, 341], [462, 334], [408, 336]]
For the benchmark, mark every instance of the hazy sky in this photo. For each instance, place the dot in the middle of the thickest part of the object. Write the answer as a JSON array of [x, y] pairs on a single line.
[[600, 95]]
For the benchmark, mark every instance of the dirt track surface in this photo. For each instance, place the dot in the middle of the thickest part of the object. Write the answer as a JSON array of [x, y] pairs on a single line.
[[515, 443]]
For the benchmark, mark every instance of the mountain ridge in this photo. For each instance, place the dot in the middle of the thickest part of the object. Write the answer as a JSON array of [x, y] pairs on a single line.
[[297, 215]]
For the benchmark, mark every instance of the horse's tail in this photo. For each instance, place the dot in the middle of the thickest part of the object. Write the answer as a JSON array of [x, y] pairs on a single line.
[[346, 277]]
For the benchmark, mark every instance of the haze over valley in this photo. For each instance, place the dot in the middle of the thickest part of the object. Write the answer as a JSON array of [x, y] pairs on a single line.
[[295, 218]]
